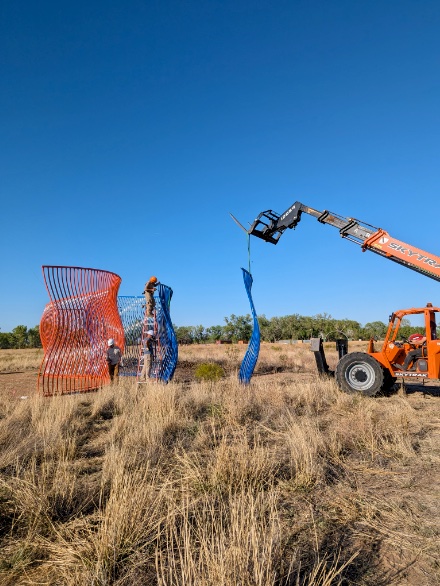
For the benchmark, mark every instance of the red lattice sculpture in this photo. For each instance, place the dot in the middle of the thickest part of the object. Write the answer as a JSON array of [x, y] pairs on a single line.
[[74, 329]]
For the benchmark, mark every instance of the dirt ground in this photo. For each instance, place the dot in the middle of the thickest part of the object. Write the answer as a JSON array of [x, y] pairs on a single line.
[[24, 383], [18, 384]]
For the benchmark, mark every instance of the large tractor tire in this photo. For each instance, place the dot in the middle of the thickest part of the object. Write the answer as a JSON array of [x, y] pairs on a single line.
[[358, 372], [389, 383]]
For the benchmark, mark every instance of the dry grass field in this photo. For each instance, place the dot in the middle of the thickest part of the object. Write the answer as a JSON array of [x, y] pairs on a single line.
[[285, 482]]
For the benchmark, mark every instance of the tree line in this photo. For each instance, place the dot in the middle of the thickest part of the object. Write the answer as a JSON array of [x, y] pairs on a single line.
[[21, 337], [289, 327], [239, 327]]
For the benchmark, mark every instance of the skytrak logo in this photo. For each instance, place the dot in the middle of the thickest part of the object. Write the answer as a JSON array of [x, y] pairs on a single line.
[[411, 374], [415, 255]]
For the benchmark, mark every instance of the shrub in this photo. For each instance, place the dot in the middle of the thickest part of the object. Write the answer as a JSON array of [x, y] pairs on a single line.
[[209, 371]]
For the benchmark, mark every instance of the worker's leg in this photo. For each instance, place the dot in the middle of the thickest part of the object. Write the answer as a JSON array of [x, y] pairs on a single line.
[[410, 357], [146, 368], [150, 303]]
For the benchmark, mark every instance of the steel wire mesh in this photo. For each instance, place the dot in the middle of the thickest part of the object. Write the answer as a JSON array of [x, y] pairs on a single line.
[[81, 315], [131, 310], [165, 359]]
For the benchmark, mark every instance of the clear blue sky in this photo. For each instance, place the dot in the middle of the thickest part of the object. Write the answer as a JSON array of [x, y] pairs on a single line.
[[130, 129]]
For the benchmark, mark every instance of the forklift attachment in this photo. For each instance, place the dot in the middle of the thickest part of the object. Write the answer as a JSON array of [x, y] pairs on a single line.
[[317, 347]]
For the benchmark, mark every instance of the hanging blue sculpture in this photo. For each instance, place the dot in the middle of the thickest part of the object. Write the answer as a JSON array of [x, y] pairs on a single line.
[[253, 349], [131, 310]]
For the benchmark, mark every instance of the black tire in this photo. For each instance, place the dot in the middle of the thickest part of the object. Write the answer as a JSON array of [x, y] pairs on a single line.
[[389, 383], [358, 372]]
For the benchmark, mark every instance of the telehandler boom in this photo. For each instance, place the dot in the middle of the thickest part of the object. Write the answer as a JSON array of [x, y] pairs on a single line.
[[269, 226], [372, 371]]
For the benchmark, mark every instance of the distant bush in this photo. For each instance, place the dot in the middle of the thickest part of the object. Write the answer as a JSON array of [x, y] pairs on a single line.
[[21, 337], [209, 371]]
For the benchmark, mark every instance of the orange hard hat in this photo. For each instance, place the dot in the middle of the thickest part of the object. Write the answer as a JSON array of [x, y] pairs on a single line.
[[153, 279]]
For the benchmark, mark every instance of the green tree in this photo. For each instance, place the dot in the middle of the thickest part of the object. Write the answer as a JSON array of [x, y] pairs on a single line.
[[214, 333], [323, 324], [374, 329], [34, 340], [273, 330], [347, 327], [20, 337], [184, 334], [263, 322], [198, 334], [406, 329], [238, 327], [293, 327], [5, 341]]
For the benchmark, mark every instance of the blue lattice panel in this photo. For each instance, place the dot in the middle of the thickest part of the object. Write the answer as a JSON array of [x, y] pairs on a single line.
[[166, 356], [132, 310]]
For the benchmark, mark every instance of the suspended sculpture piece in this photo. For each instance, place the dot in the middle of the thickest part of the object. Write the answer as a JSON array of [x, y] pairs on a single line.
[[131, 310], [253, 349], [75, 326], [166, 349]]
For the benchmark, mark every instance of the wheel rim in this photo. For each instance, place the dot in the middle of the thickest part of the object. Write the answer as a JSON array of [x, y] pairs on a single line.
[[360, 376]]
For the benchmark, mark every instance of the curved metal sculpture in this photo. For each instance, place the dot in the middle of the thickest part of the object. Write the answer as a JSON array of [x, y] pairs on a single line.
[[165, 359], [250, 358], [75, 325], [131, 310]]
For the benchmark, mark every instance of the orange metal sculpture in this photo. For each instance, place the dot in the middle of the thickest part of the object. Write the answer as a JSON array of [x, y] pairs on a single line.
[[74, 329]]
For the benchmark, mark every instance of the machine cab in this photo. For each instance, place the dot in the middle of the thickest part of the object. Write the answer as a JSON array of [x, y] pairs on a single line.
[[425, 362]]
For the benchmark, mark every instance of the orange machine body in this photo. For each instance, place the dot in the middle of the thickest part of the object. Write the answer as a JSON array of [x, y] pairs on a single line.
[[414, 258], [375, 370], [394, 352]]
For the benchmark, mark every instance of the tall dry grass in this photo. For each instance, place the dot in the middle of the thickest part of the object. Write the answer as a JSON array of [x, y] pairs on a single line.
[[280, 482], [19, 360], [273, 358]]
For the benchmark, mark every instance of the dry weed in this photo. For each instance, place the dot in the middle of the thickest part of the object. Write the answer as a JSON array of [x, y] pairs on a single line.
[[280, 482], [19, 360]]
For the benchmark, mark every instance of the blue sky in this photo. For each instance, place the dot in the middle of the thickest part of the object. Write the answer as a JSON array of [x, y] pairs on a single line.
[[130, 130]]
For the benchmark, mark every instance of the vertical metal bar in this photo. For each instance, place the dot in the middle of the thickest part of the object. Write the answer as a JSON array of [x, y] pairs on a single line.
[[82, 307]]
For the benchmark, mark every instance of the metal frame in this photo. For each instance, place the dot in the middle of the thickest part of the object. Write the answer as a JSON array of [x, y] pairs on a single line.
[[75, 326], [132, 310]]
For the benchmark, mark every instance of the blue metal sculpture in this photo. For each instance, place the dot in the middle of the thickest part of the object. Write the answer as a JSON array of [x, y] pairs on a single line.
[[165, 358], [131, 310], [253, 349]]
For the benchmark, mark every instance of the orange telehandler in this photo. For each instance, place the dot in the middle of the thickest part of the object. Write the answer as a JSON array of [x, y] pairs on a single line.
[[372, 371]]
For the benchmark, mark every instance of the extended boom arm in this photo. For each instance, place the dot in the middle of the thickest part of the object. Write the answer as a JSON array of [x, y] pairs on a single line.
[[269, 226]]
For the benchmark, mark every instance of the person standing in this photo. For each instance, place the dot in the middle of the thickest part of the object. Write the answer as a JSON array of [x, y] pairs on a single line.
[[114, 358], [148, 356], [150, 288]]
